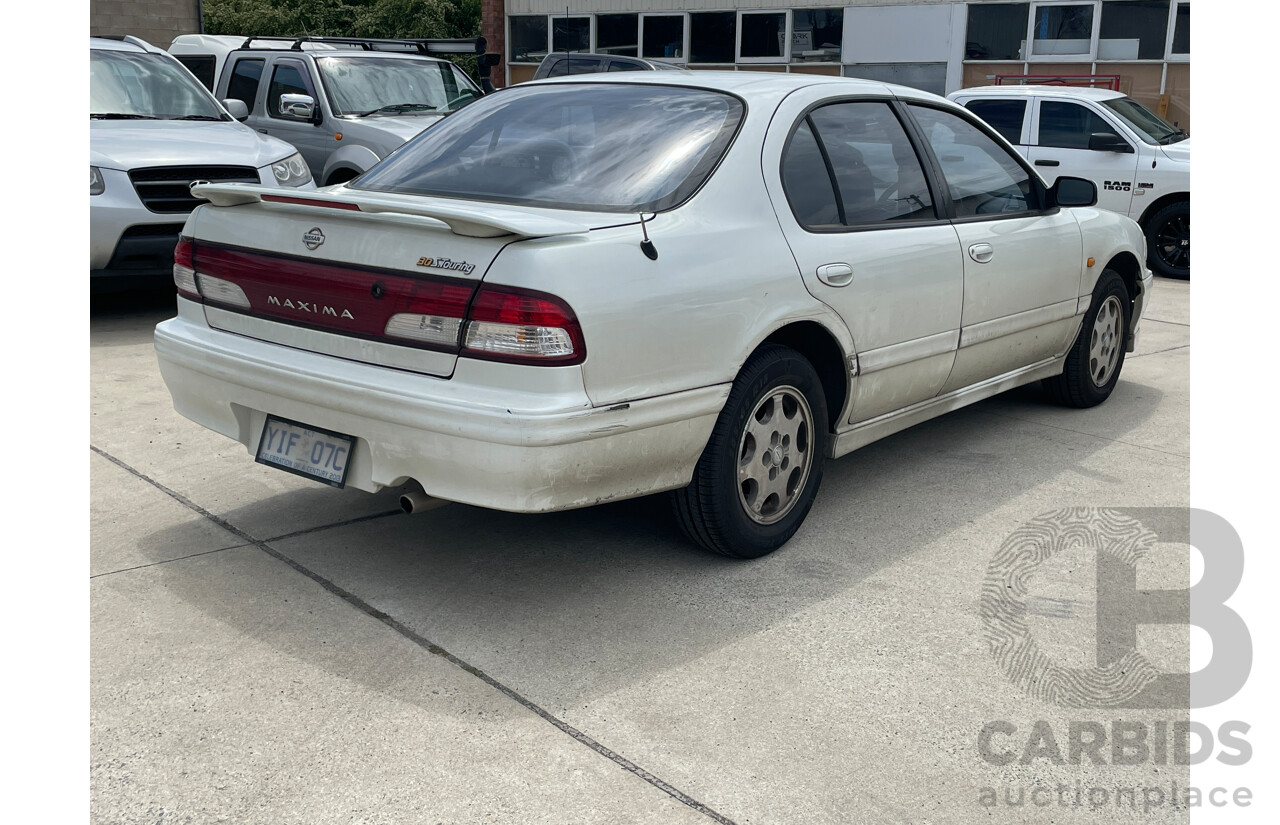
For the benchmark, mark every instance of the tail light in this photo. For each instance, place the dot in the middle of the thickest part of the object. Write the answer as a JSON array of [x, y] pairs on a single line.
[[492, 323], [522, 326], [184, 268]]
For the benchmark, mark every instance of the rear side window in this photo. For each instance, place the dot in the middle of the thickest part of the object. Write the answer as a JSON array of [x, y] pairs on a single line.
[[1005, 116], [570, 146], [243, 85], [984, 178], [1068, 125], [864, 148]]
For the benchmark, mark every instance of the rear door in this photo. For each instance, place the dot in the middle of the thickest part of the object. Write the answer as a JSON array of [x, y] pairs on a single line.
[[1061, 147], [856, 209], [1009, 116]]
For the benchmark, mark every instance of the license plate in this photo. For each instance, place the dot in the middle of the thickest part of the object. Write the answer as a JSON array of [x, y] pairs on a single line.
[[305, 450]]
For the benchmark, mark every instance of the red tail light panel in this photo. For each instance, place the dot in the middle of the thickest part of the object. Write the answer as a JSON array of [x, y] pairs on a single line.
[[344, 299]]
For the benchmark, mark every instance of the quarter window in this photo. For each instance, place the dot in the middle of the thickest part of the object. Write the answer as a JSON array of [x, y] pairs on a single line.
[[807, 182], [1068, 125], [984, 178]]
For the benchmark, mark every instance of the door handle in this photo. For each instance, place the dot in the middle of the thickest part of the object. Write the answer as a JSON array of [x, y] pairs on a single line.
[[1047, 163], [835, 274], [982, 252]]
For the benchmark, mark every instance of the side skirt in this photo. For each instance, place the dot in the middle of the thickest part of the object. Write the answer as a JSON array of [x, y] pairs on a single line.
[[877, 428]]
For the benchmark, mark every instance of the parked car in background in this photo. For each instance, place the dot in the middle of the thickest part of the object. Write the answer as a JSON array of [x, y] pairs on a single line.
[[346, 103], [1140, 163], [152, 131], [528, 309], [557, 64]]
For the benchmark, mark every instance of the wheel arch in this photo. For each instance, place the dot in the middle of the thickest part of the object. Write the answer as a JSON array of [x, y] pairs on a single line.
[[1130, 270], [823, 351], [1161, 203]]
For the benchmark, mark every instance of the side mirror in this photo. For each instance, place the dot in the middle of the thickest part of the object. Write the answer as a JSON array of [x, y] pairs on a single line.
[[298, 107], [1070, 191], [238, 109], [1109, 142]]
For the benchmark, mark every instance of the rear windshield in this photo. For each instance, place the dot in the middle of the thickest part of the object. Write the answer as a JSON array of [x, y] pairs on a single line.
[[596, 147]]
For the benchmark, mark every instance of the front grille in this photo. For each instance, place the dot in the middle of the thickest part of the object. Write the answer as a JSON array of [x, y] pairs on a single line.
[[147, 247], [166, 189]]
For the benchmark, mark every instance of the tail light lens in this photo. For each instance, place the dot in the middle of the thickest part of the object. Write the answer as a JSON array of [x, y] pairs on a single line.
[[184, 268], [522, 326]]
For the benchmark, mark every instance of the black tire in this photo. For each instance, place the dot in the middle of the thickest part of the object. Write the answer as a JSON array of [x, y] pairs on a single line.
[[1169, 240], [778, 397], [1093, 365]]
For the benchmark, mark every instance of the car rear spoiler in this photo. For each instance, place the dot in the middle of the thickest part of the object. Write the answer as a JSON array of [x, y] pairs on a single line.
[[462, 219]]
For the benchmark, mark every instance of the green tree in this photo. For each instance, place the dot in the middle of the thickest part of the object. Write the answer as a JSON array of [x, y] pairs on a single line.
[[343, 18]]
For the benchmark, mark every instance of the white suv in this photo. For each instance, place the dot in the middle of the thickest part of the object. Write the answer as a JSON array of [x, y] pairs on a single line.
[[1140, 164], [152, 131]]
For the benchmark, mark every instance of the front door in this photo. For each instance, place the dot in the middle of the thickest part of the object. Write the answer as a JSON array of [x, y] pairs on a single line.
[[1022, 261], [1060, 146]]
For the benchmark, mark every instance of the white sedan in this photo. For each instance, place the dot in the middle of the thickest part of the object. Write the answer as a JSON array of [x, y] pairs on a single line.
[[600, 287]]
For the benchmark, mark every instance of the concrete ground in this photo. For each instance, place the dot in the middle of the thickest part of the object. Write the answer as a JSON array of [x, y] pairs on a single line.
[[266, 649]]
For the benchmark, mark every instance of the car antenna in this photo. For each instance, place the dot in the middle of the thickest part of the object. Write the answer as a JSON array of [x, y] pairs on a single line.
[[646, 246]]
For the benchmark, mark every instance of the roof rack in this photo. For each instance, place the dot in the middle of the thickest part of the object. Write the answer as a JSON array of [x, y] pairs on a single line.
[[425, 46], [1110, 81]]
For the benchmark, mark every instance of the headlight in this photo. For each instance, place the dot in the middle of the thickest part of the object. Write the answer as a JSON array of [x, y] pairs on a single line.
[[292, 171], [96, 184]]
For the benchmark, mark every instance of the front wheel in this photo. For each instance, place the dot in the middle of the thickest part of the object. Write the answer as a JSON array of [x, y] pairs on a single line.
[[1093, 365], [1169, 240], [759, 474]]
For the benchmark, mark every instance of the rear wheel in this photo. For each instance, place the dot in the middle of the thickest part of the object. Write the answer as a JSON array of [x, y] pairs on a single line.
[[759, 474], [1169, 240], [1093, 365]]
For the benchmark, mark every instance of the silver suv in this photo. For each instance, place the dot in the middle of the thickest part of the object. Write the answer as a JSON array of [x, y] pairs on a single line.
[[346, 103], [152, 131]]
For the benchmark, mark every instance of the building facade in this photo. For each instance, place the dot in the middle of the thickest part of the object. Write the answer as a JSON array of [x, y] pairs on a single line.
[[155, 21], [929, 44]]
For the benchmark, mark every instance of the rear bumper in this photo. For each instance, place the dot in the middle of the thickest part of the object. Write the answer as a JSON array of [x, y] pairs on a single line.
[[490, 436]]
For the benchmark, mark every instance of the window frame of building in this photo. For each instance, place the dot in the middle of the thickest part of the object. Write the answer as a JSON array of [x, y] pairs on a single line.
[[837, 59], [684, 47], [1108, 60], [779, 60], [511, 43], [1169, 54], [595, 32], [1087, 56], [552, 19], [733, 48]]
